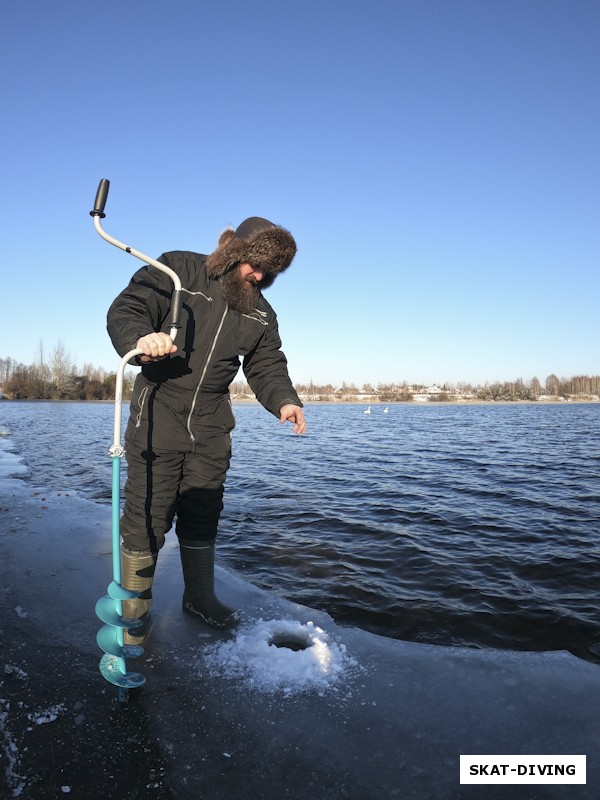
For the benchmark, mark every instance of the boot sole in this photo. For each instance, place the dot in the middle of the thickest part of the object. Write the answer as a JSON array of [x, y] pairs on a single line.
[[229, 622]]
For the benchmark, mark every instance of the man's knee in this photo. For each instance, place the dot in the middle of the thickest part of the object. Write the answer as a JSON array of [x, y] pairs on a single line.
[[144, 530], [198, 513]]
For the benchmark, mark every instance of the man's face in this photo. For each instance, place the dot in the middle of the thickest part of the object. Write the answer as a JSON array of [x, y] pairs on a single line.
[[241, 287], [250, 274]]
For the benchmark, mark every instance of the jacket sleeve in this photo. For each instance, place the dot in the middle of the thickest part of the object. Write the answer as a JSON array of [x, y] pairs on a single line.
[[141, 308], [266, 371]]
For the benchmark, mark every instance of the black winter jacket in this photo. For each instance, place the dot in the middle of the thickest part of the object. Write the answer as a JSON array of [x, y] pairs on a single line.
[[209, 343]]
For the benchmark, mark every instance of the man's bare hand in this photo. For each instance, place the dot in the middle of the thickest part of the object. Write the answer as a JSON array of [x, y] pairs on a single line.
[[294, 414], [156, 346]]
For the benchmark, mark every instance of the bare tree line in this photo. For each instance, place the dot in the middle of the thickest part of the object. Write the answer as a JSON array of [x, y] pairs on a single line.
[[54, 376], [553, 387]]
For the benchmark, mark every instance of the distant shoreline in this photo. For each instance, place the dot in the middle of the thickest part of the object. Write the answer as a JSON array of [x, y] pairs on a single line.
[[367, 401], [474, 402]]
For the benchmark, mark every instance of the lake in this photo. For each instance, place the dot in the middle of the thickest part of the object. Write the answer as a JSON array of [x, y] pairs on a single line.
[[473, 525]]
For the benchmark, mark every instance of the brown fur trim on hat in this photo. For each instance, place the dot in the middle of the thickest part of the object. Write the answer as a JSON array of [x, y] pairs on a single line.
[[266, 246]]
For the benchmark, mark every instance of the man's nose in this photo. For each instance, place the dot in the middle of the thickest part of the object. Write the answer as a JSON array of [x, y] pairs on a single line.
[[258, 274]]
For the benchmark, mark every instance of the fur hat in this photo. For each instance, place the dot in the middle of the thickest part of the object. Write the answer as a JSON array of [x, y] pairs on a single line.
[[259, 242]]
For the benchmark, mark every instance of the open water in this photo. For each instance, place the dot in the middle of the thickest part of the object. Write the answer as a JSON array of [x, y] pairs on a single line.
[[470, 525]]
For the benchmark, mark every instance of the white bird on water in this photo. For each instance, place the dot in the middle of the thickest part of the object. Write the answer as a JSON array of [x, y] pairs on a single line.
[[385, 410], [368, 411]]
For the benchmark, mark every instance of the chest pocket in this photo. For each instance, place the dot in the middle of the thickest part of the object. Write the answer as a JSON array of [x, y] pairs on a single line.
[[247, 331]]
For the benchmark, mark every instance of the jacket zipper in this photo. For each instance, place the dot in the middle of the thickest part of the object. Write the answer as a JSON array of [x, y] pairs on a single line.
[[257, 318], [206, 363], [142, 400]]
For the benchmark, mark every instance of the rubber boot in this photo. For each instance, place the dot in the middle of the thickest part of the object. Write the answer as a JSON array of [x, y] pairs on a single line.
[[137, 574], [199, 600]]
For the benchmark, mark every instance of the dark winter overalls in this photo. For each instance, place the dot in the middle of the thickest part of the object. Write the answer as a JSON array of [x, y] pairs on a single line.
[[178, 438]]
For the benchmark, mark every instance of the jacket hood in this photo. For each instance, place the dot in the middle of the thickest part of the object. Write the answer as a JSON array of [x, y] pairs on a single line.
[[261, 243]]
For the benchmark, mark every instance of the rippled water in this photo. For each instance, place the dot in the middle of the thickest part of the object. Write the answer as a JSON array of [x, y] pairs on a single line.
[[472, 525]]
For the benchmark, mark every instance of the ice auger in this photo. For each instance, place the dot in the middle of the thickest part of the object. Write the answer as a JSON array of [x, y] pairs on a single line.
[[109, 608]]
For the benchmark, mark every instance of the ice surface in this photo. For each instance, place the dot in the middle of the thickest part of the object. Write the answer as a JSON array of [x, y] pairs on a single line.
[[347, 714], [11, 465]]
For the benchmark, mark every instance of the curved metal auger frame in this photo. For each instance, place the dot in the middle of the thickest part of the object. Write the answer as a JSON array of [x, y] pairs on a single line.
[[109, 608]]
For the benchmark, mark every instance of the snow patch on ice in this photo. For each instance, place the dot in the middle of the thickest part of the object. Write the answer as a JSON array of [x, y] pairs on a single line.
[[17, 672], [48, 715], [254, 658], [9, 750]]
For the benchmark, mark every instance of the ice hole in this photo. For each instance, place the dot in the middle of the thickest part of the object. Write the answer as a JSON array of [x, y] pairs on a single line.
[[281, 656], [295, 642]]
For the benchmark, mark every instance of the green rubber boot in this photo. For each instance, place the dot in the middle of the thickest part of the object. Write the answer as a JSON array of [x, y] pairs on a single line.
[[199, 599], [137, 574]]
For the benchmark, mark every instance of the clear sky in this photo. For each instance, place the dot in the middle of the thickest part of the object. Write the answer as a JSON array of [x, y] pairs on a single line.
[[438, 162]]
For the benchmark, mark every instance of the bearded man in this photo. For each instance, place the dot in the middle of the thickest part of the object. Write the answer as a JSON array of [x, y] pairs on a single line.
[[178, 438]]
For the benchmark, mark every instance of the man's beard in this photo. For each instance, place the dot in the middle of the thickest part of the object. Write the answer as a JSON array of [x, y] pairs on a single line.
[[239, 294]]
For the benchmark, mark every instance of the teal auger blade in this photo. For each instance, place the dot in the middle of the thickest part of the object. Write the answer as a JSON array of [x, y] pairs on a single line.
[[109, 667], [106, 610], [108, 640], [118, 592]]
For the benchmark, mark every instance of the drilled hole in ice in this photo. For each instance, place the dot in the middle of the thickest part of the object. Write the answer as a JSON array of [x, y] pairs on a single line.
[[294, 642]]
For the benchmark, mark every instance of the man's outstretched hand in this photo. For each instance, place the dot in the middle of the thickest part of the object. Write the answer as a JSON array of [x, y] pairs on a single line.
[[295, 415]]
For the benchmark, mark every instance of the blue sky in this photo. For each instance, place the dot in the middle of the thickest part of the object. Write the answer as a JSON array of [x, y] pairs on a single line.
[[436, 161]]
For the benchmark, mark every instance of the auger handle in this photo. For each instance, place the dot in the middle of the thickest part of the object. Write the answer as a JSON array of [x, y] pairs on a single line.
[[98, 213], [175, 312], [100, 201]]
